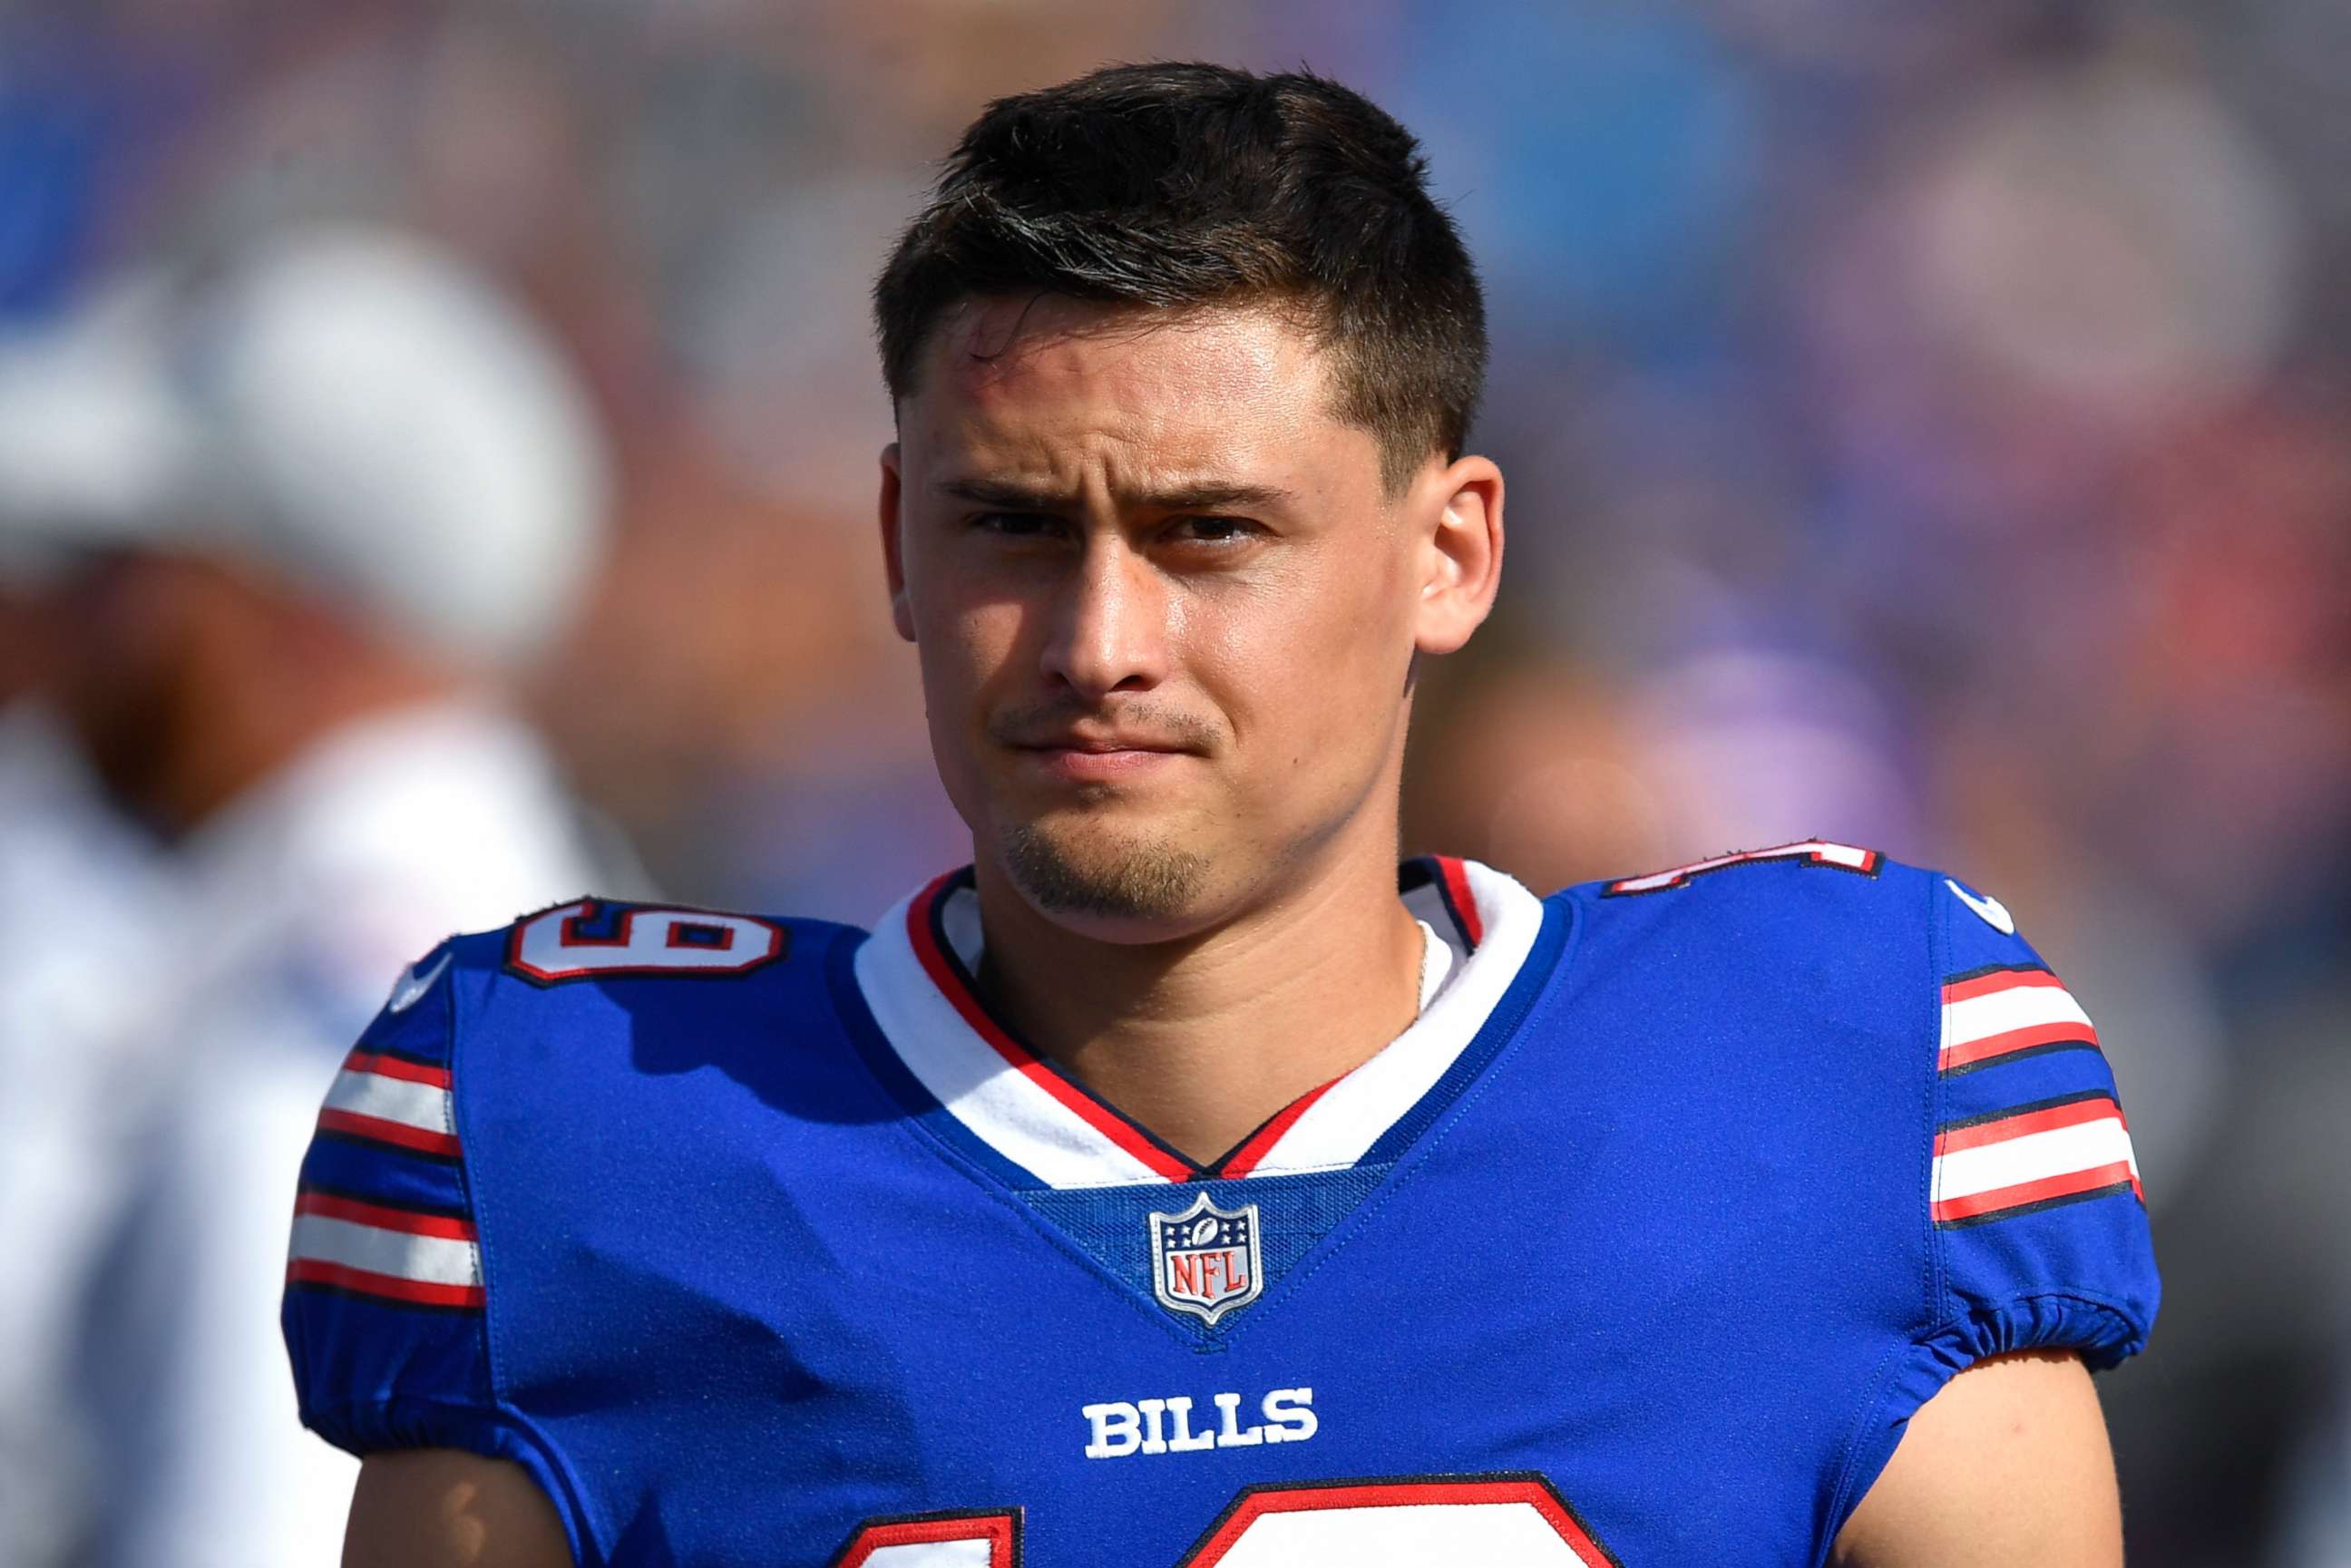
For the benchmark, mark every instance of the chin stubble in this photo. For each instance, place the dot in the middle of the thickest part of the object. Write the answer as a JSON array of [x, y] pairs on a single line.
[[1140, 881]]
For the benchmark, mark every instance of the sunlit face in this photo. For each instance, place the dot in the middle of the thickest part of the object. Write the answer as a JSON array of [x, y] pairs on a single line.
[[1165, 606]]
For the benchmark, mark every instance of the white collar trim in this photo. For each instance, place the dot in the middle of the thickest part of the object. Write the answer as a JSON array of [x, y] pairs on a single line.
[[1033, 1115]]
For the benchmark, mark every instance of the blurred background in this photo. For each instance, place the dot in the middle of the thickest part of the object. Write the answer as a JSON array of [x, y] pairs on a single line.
[[1928, 426]]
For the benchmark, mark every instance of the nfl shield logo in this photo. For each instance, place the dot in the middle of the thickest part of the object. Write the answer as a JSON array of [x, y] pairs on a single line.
[[1204, 1260]]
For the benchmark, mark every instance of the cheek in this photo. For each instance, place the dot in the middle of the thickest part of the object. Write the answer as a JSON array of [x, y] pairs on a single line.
[[963, 627], [976, 647], [968, 652], [1321, 665], [1358, 621]]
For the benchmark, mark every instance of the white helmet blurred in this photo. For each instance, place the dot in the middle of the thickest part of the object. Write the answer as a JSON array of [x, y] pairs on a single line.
[[353, 407], [94, 447]]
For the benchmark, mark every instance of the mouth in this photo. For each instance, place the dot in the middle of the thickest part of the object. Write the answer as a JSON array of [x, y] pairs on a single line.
[[1098, 759], [1083, 756]]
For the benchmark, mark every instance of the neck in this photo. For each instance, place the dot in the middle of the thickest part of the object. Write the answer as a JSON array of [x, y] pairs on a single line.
[[1204, 1038]]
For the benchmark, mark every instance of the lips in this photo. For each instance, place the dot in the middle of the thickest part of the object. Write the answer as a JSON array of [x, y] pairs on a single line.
[[1094, 757], [1100, 745], [1063, 741]]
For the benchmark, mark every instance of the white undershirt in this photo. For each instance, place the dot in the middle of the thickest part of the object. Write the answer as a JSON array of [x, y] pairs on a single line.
[[1435, 964]]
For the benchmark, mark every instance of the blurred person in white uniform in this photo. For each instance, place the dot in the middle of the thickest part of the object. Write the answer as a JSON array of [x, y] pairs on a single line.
[[298, 515], [80, 890]]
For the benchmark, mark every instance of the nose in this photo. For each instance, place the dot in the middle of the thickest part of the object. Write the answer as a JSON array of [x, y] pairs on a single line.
[[1109, 627]]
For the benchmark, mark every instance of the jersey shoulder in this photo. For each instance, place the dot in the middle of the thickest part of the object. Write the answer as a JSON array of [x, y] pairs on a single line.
[[1799, 902], [542, 1022], [605, 939], [1825, 930], [598, 967], [2014, 1172], [2033, 1204]]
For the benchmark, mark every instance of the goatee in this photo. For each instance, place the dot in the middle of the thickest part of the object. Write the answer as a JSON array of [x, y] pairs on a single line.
[[1147, 881]]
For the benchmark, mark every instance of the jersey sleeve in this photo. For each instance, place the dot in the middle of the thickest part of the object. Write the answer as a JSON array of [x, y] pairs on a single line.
[[2038, 1218], [2035, 1218], [385, 1310]]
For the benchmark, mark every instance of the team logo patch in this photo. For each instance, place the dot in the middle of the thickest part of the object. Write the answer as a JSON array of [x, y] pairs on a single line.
[[1204, 1260]]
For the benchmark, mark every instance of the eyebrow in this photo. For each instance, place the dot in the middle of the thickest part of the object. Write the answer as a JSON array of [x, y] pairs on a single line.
[[1012, 496]]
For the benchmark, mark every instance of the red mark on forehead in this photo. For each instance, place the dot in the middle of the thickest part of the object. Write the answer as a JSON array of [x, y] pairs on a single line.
[[998, 347], [986, 343], [1056, 382]]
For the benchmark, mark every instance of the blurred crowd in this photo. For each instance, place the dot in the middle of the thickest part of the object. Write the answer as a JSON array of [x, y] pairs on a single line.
[[436, 467]]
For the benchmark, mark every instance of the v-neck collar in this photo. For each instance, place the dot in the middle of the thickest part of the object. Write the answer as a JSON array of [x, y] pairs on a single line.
[[975, 1078]]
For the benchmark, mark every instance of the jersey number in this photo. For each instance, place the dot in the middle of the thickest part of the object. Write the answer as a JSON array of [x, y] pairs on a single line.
[[1517, 1518], [593, 939]]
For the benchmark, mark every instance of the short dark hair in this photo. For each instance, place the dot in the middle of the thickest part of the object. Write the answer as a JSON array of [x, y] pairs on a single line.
[[1174, 186]]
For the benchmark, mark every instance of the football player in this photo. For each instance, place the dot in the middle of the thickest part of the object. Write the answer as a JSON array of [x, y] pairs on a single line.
[[1183, 1182]]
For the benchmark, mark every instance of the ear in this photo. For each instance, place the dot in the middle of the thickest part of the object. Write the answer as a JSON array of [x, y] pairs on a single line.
[[893, 558], [1463, 556]]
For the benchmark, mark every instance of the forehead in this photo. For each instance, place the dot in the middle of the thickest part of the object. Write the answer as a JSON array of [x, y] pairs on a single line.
[[1047, 382]]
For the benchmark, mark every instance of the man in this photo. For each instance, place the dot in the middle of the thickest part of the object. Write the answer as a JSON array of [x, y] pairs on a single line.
[[1181, 1184], [290, 517], [79, 890]]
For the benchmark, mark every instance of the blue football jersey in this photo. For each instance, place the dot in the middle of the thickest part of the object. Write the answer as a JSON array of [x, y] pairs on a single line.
[[759, 1241]]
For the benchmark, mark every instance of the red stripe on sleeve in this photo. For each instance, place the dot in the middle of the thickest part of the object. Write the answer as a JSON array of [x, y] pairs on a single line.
[[393, 1067], [1999, 980], [2074, 1115], [313, 1271], [2009, 1042], [409, 1220], [1975, 1206], [376, 1130]]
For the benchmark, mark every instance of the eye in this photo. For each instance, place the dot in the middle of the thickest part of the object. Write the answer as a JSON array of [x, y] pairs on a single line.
[[1015, 524], [1213, 530]]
